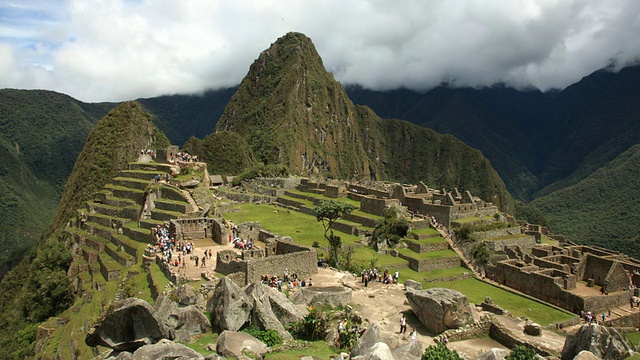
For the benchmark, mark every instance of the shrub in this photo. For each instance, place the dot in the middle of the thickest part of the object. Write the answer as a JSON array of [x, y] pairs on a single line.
[[440, 352], [312, 327], [521, 353], [269, 337]]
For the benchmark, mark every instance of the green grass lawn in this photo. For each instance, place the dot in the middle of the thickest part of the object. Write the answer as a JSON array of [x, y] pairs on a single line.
[[632, 338], [304, 229], [477, 290], [506, 237], [201, 342], [432, 240], [426, 231], [355, 203], [317, 349], [547, 240], [363, 255], [429, 255]]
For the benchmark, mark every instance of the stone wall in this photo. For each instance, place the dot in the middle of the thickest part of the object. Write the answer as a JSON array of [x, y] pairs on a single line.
[[363, 190], [505, 336], [361, 220], [167, 270], [227, 262], [195, 228], [525, 243], [334, 191], [544, 263], [497, 232], [600, 303], [427, 247], [244, 197], [376, 206], [471, 331], [432, 264]]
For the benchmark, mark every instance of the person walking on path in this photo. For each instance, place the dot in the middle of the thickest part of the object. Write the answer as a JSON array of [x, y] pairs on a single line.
[[403, 324]]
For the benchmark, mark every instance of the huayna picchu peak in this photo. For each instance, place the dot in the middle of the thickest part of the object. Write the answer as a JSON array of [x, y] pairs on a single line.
[[290, 111]]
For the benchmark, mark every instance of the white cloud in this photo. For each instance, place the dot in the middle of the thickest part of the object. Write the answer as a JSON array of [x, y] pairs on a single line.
[[115, 50]]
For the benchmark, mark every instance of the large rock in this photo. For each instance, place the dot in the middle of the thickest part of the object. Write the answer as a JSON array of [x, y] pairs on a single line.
[[440, 309], [314, 296], [189, 318], [379, 351], [185, 295], [262, 315], [231, 343], [531, 328], [365, 342], [602, 341], [493, 354], [229, 306], [409, 283], [586, 355], [410, 351], [285, 310], [130, 324], [166, 350]]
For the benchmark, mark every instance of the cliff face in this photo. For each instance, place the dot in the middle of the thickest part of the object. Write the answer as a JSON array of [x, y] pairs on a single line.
[[291, 111]]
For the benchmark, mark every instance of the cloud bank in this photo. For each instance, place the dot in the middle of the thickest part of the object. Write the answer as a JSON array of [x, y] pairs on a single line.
[[113, 50]]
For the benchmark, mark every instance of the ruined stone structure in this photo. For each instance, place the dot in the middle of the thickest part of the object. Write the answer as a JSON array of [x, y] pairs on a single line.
[[572, 277], [197, 228], [245, 267]]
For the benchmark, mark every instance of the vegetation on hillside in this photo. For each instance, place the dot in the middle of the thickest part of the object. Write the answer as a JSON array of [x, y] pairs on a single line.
[[584, 212], [115, 140], [225, 152]]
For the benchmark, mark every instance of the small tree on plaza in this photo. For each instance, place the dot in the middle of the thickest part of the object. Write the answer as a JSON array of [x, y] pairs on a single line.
[[328, 213]]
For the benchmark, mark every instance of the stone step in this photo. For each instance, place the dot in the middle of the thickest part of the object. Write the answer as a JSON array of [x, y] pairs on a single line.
[[98, 230], [171, 193], [109, 268], [100, 195], [138, 234], [128, 213], [107, 220], [172, 205], [150, 223], [132, 183], [165, 215], [125, 243], [147, 175], [119, 202], [89, 254], [150, 166], [119, 254], [126, 192]]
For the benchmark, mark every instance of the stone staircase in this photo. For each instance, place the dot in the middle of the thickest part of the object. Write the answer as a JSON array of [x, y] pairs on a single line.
[[109, 235]]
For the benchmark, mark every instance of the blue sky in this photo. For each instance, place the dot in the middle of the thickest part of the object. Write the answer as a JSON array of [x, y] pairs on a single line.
[[113, 50]]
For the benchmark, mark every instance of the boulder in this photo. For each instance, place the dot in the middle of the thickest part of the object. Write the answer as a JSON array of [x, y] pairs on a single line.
[[286, 311], [365, 342], [185, 295], [264, 318], [166, 350], [119, 355], [332, 335], [531, 328], [586, 355], [214, 356], [493, 354], [231, 343], [379, 351], [602, 341], [229, 306], [409, 283], [440, 309], [130, 324], [331, 295], [409, 351], [189, 318]]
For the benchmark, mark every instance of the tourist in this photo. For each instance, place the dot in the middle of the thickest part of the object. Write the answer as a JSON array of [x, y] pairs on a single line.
[[309, 283], [396, 276], [197, 259], [414, 334], [603, 316], [340, 326], [403, 324]]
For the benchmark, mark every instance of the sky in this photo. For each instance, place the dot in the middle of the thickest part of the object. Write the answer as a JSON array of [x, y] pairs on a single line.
[[115, 50]]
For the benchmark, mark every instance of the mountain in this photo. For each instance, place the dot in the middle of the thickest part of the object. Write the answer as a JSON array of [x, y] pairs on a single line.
[[39, 287], [291, 111], [603, 208], [41, 134]]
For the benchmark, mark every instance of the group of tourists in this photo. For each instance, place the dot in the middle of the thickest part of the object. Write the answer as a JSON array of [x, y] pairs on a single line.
[[147, 152], [182, 157], [374, 274], [291, 281], [592, 318], [242, 244]]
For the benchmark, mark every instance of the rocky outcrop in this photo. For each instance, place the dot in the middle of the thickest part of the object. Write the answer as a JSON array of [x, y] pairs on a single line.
[[262, 315], [531, 328], [187, 320], [602, 341], [282, 307], [586, 355], [379, 351], [234, 344], [166, 350], [493, 354], [130, 324], [440, 309], [229, 306], [409, 283], [370, 337], [314, 296], [410, 351]]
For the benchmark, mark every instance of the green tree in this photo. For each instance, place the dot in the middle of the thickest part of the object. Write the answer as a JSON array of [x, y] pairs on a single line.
[[521, 352], [440, 352], [312, 327], [391, 229], [481, 253], [328, 213]]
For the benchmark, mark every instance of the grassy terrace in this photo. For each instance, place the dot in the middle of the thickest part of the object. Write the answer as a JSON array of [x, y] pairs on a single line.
[[408, 273], [506, 237], [355, 203], [428, 255], [425, 231], [303, 229], [477, 290], [433, 240], [547, 240], [364, 255]]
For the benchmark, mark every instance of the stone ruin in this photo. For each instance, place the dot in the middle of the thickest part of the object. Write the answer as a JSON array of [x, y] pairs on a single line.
[[573, 277]]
